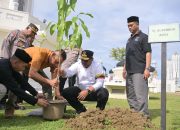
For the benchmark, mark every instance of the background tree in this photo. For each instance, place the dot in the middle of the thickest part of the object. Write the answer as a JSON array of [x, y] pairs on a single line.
[[118, 54]]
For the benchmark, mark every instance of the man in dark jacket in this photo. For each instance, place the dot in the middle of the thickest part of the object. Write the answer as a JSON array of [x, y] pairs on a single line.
[[17, 39], [12, 80]]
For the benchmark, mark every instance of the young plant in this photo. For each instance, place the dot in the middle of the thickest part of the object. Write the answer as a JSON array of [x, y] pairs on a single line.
[[68, 27]]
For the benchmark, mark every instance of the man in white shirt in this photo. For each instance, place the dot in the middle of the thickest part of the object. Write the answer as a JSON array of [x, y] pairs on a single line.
[[90, 79]]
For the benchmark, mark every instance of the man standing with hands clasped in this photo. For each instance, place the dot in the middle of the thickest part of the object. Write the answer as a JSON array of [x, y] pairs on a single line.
[[137, 67]]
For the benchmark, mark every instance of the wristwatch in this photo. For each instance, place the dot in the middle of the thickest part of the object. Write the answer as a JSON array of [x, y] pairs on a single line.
[[148, 69], [89, 91]]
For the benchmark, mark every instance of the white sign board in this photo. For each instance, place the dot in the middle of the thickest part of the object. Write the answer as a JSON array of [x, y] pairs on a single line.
[[164, 33]]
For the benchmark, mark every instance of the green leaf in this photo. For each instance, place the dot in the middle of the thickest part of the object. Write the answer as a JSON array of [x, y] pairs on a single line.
[[88, 14], [60, 4], [43, 35], [76, 28], [53, 28], [82, 22], [73, 4], [63, 26], [66, 44], [62, 44], [64, 10], [79, 40], [60, 33], [68, 11], [85, 28], [74, 19], [67, 26]]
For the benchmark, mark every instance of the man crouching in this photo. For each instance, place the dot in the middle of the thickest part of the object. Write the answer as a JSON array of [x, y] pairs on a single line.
[[11, 79], [90, 79]]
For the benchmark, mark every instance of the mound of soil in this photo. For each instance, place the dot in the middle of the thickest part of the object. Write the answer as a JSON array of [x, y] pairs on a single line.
[[110, 119]]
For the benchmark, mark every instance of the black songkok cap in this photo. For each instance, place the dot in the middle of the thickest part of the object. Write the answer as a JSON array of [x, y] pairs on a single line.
[[86, 55], [133, 19], [22, 55], [33, 27]]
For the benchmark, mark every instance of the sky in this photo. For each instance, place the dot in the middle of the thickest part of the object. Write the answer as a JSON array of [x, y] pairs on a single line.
[[108, 28]]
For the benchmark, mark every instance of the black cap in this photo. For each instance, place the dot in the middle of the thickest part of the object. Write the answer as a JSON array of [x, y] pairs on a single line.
[[133, 19], [87, 54], [22, 55], [33, 27]]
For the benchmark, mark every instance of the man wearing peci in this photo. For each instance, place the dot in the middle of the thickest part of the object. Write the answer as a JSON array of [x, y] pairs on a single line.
[[12, 80], [90, 79], [137, 67]]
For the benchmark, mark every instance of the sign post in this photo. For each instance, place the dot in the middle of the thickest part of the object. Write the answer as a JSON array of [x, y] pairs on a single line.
[[163, 86], [162, 34]]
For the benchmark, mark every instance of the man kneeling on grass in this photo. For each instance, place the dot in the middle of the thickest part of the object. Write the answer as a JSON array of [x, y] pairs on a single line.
[[90, 79], [11, 79]]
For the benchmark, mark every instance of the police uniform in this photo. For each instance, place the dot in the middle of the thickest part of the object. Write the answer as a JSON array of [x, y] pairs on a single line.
[[72, 57], [16, 39]]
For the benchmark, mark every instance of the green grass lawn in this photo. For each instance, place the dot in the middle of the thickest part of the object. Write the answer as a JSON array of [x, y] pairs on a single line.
[[22, 122]]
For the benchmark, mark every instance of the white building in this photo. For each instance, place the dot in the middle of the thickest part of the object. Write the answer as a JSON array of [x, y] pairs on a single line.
[[17, 14], [172, 76], [173, 73]]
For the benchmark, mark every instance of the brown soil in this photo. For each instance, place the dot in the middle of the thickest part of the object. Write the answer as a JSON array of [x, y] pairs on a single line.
[[110, 119]]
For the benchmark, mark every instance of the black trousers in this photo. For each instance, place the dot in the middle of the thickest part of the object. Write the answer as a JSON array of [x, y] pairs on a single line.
[[71, 94], [71, 82]]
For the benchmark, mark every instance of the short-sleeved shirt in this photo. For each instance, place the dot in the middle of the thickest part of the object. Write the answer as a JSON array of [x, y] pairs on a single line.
[[91, 76], [136, 49], [40, 57]]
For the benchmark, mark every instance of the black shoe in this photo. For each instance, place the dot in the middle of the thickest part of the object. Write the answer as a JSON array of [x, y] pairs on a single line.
[[81, 110]]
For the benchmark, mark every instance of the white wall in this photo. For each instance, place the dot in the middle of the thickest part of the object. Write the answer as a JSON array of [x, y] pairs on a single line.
[[4, 4]]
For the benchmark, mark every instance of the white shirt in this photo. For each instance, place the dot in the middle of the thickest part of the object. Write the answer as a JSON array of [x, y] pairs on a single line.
[[86, 77]]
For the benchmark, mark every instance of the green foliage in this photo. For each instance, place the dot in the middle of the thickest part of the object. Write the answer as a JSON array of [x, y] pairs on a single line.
[[118, 54], [74, 25]]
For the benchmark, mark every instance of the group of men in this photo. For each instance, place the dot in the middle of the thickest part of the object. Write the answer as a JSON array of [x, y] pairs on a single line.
[[21, 60]]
